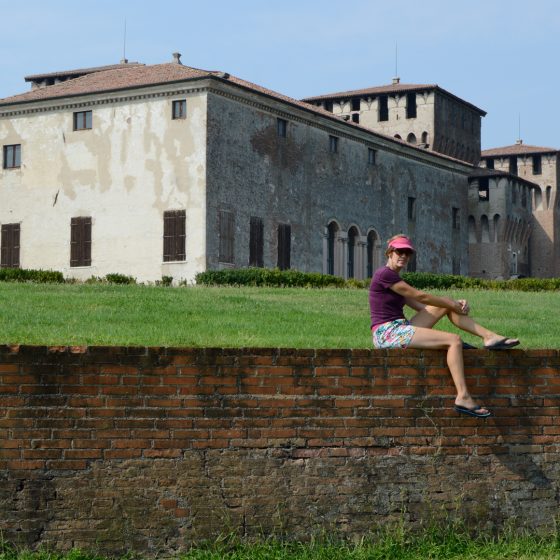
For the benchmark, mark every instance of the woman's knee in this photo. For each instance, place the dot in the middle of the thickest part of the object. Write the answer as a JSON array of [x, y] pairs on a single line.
[[455, 340]]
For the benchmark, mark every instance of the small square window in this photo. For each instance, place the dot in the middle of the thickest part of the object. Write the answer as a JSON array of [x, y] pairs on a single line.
[[371, 156], [12, 156], [333, 144], [356, 101], [282, 127], [483, 189], [179, 109], [82, 120], [356, 118], [329, 106]]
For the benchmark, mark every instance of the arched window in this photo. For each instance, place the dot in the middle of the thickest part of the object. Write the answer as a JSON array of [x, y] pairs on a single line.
[[496, 224], [332, 234], [537, 199], [472, 229], [411, 138], [548, 194], [398, 136], [485, 229], [425, 139], [351, 262], [513, 267], [373, 253]]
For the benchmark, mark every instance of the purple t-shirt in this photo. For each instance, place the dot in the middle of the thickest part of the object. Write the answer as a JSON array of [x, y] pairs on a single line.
[[385, 304]]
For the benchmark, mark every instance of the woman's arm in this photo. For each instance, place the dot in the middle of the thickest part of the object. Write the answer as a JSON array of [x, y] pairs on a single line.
[[418, 299]]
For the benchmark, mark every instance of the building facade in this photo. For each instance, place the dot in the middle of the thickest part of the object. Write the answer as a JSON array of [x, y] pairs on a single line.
[[167, 170], [541, 167], [423, 115], [499, 224]]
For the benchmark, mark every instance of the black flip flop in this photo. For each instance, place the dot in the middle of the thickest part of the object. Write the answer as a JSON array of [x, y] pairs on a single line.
[[503, 344], [472, 411]]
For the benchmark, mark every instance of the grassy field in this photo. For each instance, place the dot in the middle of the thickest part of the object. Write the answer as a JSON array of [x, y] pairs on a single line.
[[430, 545], [76, 314]]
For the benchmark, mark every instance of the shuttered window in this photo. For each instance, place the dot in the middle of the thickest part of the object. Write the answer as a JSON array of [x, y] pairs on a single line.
[[284, 246], [10, 246], [256, 234], [174, 235], [80, 241], [226, 227]]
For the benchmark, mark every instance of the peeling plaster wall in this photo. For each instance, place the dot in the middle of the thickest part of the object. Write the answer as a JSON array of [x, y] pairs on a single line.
[[297, 180], [134, 164]]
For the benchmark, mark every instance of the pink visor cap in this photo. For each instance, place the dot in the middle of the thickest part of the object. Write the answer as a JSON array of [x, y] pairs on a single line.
[[401, 243]]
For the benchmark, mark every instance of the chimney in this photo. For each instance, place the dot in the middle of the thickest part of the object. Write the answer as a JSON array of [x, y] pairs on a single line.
[[177, 58], [519, 141], [396, 81]]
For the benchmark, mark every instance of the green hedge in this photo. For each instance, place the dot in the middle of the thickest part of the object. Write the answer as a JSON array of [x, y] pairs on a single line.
[[420, 280], [268, 277], [296, 279], [30, 275]]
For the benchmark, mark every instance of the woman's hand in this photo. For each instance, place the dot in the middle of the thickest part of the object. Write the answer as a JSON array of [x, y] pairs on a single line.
[[464, 306]]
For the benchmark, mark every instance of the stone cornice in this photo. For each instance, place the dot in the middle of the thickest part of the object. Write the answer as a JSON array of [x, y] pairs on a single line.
[[94, 100]]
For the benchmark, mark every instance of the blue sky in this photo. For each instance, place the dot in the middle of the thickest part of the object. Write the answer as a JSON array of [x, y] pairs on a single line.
[[500, 55]]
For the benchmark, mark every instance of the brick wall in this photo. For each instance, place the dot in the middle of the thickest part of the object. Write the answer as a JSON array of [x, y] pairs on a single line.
[[151, 449]]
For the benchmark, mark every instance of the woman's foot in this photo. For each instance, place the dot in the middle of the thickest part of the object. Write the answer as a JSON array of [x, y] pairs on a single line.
[[468, 406], [496, 342]]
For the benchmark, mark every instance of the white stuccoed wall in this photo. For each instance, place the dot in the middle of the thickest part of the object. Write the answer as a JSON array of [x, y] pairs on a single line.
[[133, 165]]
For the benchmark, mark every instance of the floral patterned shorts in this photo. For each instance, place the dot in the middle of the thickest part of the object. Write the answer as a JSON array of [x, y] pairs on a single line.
[[394, 334]]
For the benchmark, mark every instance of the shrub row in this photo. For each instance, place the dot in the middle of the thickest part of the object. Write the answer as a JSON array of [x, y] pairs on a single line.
[[30, 275], [296, 279], [268, 277], [420, 280]]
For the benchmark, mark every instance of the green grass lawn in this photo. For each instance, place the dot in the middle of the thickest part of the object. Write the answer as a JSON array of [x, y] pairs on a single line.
[[442, 544], [76, 314]]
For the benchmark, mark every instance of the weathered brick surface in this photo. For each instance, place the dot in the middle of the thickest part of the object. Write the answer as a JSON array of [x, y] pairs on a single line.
[[151, 449]]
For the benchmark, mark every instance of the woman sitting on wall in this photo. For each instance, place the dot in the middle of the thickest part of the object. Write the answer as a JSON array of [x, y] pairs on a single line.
[[389, 293]]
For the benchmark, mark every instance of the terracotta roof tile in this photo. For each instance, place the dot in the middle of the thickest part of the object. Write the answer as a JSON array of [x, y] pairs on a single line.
[[111, 80], [80, 71], [391, 88], [517, 149]]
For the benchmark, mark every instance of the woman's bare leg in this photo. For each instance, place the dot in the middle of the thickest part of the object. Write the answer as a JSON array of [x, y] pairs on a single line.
[[430, 315], [426, 337]]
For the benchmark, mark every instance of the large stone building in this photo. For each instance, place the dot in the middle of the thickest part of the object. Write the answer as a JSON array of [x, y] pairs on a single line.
[[541, 166], [499, 224], [168, 170], [423, 115]]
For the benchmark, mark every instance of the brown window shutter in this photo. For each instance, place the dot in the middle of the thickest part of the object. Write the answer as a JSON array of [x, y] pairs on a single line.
[[174, 235], [10, 246], [227, 241], [256, 242], [80, 241], [284, 246]]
